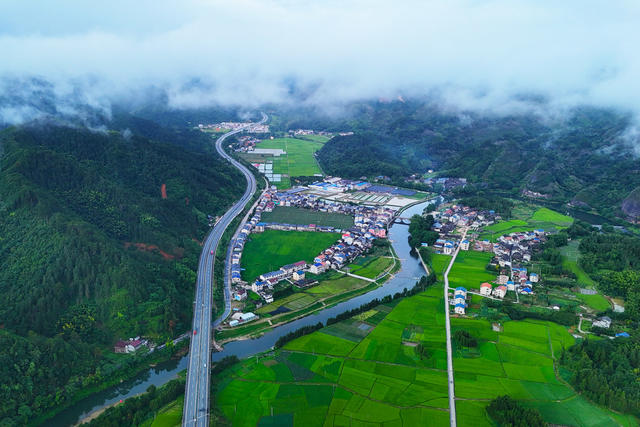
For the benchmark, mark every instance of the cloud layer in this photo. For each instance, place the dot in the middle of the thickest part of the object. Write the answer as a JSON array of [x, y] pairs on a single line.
[[474, 53]]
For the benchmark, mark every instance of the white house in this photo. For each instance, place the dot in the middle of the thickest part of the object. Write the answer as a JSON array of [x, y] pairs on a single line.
[[298, 275], [460, 291], [485, 289], [533, 278], [511, 285], [502, 279], [459, 308], [602, 322], [464, 245], [500, 291]]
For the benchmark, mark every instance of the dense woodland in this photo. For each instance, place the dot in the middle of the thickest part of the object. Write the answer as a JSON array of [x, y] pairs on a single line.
[[580, 159], [90, 251], [607, 372], [508, 412]]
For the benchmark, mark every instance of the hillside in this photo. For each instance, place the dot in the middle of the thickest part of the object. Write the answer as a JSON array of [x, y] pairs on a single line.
[[90, 251], [580, 159]]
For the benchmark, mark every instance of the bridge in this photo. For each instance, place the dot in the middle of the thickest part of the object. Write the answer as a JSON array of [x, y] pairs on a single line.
[[402, 220]]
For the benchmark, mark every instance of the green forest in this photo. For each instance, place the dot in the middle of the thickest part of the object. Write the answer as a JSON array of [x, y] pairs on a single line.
[[91, 250], [581, 159]]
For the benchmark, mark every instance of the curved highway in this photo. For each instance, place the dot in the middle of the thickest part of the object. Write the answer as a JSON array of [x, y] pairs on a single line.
[[196, 400]]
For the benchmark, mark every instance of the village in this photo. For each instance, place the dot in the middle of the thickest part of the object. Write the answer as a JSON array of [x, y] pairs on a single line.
[[511, 253], [370, 223]]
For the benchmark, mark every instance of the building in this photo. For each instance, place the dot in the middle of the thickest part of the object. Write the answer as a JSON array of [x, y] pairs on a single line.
[[464, 245], [460, 291], [533, 277], [511, 285], [526, 291], [316, 268], [500, 291], [502, 279], [240, 318], [447, 248], [298, 275], [129, 346], [240, 294], [485, 289], [602, 322], [459, 308], [278, 274], [258, 285]]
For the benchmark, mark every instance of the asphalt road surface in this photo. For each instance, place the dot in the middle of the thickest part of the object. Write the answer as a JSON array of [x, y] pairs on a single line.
[[196, 399]]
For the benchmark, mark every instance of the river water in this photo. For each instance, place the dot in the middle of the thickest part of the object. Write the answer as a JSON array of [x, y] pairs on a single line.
[[411, 271]]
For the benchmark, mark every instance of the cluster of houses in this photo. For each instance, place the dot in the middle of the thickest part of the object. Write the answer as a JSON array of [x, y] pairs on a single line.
[[338, 185], [456, 216], [246, 143], [459, 300], [370, 223], [130, 346], [219, 127], [437, 184], [306, 132], [516, 248]]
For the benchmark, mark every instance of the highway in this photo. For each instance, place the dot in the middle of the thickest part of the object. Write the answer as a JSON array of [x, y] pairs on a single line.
[[196, 400], [452, 393]]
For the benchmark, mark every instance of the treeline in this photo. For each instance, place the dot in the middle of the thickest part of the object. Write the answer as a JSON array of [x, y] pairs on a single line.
[[563, 316], [420, 286], [420, 231], [506, 411], [305, 330], [606, 371], [91, 252], [489, 202], [136, 410]]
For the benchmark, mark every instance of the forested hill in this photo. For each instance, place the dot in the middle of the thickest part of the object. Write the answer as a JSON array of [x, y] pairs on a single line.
[[580, 159], [91, 250]]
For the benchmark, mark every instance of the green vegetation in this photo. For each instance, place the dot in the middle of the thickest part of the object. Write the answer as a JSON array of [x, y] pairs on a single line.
[[158, 407], [300, 216], [92, 252], [469, 269], [520, 362], [543, 218], [272, 249], [358, 369], [607, 372], [420, 231], [506, 411], [299, 160]]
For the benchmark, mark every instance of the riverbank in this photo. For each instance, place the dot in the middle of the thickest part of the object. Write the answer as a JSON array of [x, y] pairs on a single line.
[[409, 271], [358, 287]]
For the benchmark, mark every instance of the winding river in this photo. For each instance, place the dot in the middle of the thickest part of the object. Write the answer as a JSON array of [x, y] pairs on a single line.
[[410, 271]]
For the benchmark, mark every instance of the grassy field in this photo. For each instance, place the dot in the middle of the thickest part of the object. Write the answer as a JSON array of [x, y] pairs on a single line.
[[469, 270], [570, 257], [526, 219], [299, 216], [520, 362], [169, 415], [299, 160], [272, 249], [355, 372]]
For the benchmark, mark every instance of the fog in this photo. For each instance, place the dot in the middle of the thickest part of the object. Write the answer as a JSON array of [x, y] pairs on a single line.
[[471, 54]]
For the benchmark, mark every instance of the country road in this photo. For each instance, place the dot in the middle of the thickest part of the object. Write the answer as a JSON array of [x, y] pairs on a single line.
[[196, 400], [452, 393]]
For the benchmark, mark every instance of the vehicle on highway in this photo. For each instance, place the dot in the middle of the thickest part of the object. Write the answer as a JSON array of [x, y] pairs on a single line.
[[194, 331], [212, 252]]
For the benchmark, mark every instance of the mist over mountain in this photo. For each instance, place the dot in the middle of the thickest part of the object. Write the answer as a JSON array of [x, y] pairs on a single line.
[[495, 57]]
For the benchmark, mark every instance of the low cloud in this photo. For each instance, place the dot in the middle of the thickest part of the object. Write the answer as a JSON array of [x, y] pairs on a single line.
[[489, 56]]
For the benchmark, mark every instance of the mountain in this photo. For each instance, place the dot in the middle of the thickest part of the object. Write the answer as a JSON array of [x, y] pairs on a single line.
[[581, 158], [99, 237]]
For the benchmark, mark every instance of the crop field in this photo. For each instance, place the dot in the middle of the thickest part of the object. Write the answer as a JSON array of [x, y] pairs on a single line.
[[169, 415], [272, 249], [355, 372], [299, 216], [469, 269], [371, 268], [440, 262], [519, 362], [526, 220], [299, 160]]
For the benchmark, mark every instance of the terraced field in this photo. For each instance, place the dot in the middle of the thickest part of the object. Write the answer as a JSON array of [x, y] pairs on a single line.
[[543, 218]]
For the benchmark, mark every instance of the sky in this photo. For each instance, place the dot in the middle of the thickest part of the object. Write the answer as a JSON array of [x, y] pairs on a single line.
[[474, 54]]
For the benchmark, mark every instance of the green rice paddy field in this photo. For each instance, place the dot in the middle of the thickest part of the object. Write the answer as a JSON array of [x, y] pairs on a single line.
[[299, 216], [527, 220], [520, 362], [272, 249], [362, 371]]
